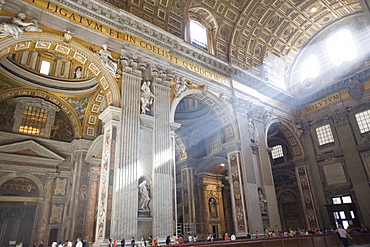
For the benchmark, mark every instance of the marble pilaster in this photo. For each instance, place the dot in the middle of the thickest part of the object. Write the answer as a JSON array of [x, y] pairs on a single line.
[[307, 197], [163, 169], [111, 119], [126, 188], [250, 171], [46, 205], [353, 164], [267, 181], [90, 212]]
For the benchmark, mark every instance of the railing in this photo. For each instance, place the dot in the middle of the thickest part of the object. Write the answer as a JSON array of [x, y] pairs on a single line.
[[322, 240]]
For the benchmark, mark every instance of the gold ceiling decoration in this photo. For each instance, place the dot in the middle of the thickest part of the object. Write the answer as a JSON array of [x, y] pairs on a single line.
[[248, 28]]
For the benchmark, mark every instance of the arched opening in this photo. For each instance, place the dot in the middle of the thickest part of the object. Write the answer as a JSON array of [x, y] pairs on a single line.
[[202, 187], [284, 151], [18, 205]]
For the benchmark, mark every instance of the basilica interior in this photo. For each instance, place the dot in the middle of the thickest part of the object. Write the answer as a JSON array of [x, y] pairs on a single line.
[[123, 118]]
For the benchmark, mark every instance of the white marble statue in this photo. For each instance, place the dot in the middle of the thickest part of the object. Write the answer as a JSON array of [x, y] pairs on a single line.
[[181, 86], [107, 60], [262, 201], [147, 97], [253, 135], [16, 26], [144, 197]]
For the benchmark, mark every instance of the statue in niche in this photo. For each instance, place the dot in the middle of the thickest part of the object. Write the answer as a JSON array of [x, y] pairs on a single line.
[[144, 197], [212, 203], [253, 135], [147, 97], [16, 26], [262, 201], [180, 87], [78, 73], [107, 60]]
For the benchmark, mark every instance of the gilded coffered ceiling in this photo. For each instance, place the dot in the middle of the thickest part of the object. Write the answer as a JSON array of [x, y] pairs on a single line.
[[247, 29]]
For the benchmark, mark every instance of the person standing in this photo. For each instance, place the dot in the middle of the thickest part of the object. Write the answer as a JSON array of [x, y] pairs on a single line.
[[168, 240], [85, 243], [174, 239], [233, 237], [143, 242], [132, 242], [79, 243], [123, 242], [190, 238], [180, 240], [343, 234]]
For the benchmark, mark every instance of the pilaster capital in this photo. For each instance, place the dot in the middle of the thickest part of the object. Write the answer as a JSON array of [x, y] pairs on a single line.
[[174, 126], [232, 146], [340, 116], [51, 176], [112, 113], [80, 145]]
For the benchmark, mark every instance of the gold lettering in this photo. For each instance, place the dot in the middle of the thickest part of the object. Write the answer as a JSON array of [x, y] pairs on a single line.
[[63, 12]]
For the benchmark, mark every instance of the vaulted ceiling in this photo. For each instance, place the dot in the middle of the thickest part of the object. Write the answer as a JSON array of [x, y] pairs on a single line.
[[247, 29]]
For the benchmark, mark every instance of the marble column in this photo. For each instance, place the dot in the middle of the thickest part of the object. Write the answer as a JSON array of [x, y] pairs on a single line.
[[92, 199], [111, 119], [46, 205]]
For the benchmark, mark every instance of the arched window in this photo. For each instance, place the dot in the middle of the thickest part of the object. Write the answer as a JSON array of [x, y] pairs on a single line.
[[198, 34], [201, 28], [310, 69], [341, 47]]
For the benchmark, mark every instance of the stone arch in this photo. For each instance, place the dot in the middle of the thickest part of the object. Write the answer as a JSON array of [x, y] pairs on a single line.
[[222, 112], [209, 162], [36, 180], [66, 108], [55, 43], [292, 139], [95, 149]]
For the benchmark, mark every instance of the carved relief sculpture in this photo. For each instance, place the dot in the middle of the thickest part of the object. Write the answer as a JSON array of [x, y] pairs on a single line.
[[16, 26], [180, 87], [107, 60]]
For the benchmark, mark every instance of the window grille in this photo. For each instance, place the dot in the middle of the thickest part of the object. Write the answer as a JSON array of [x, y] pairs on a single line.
[[277, 152], [363, 121], [324, 135], [33, 121]]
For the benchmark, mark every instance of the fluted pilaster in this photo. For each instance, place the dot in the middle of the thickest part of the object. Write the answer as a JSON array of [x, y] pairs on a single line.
[[162, 177]]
